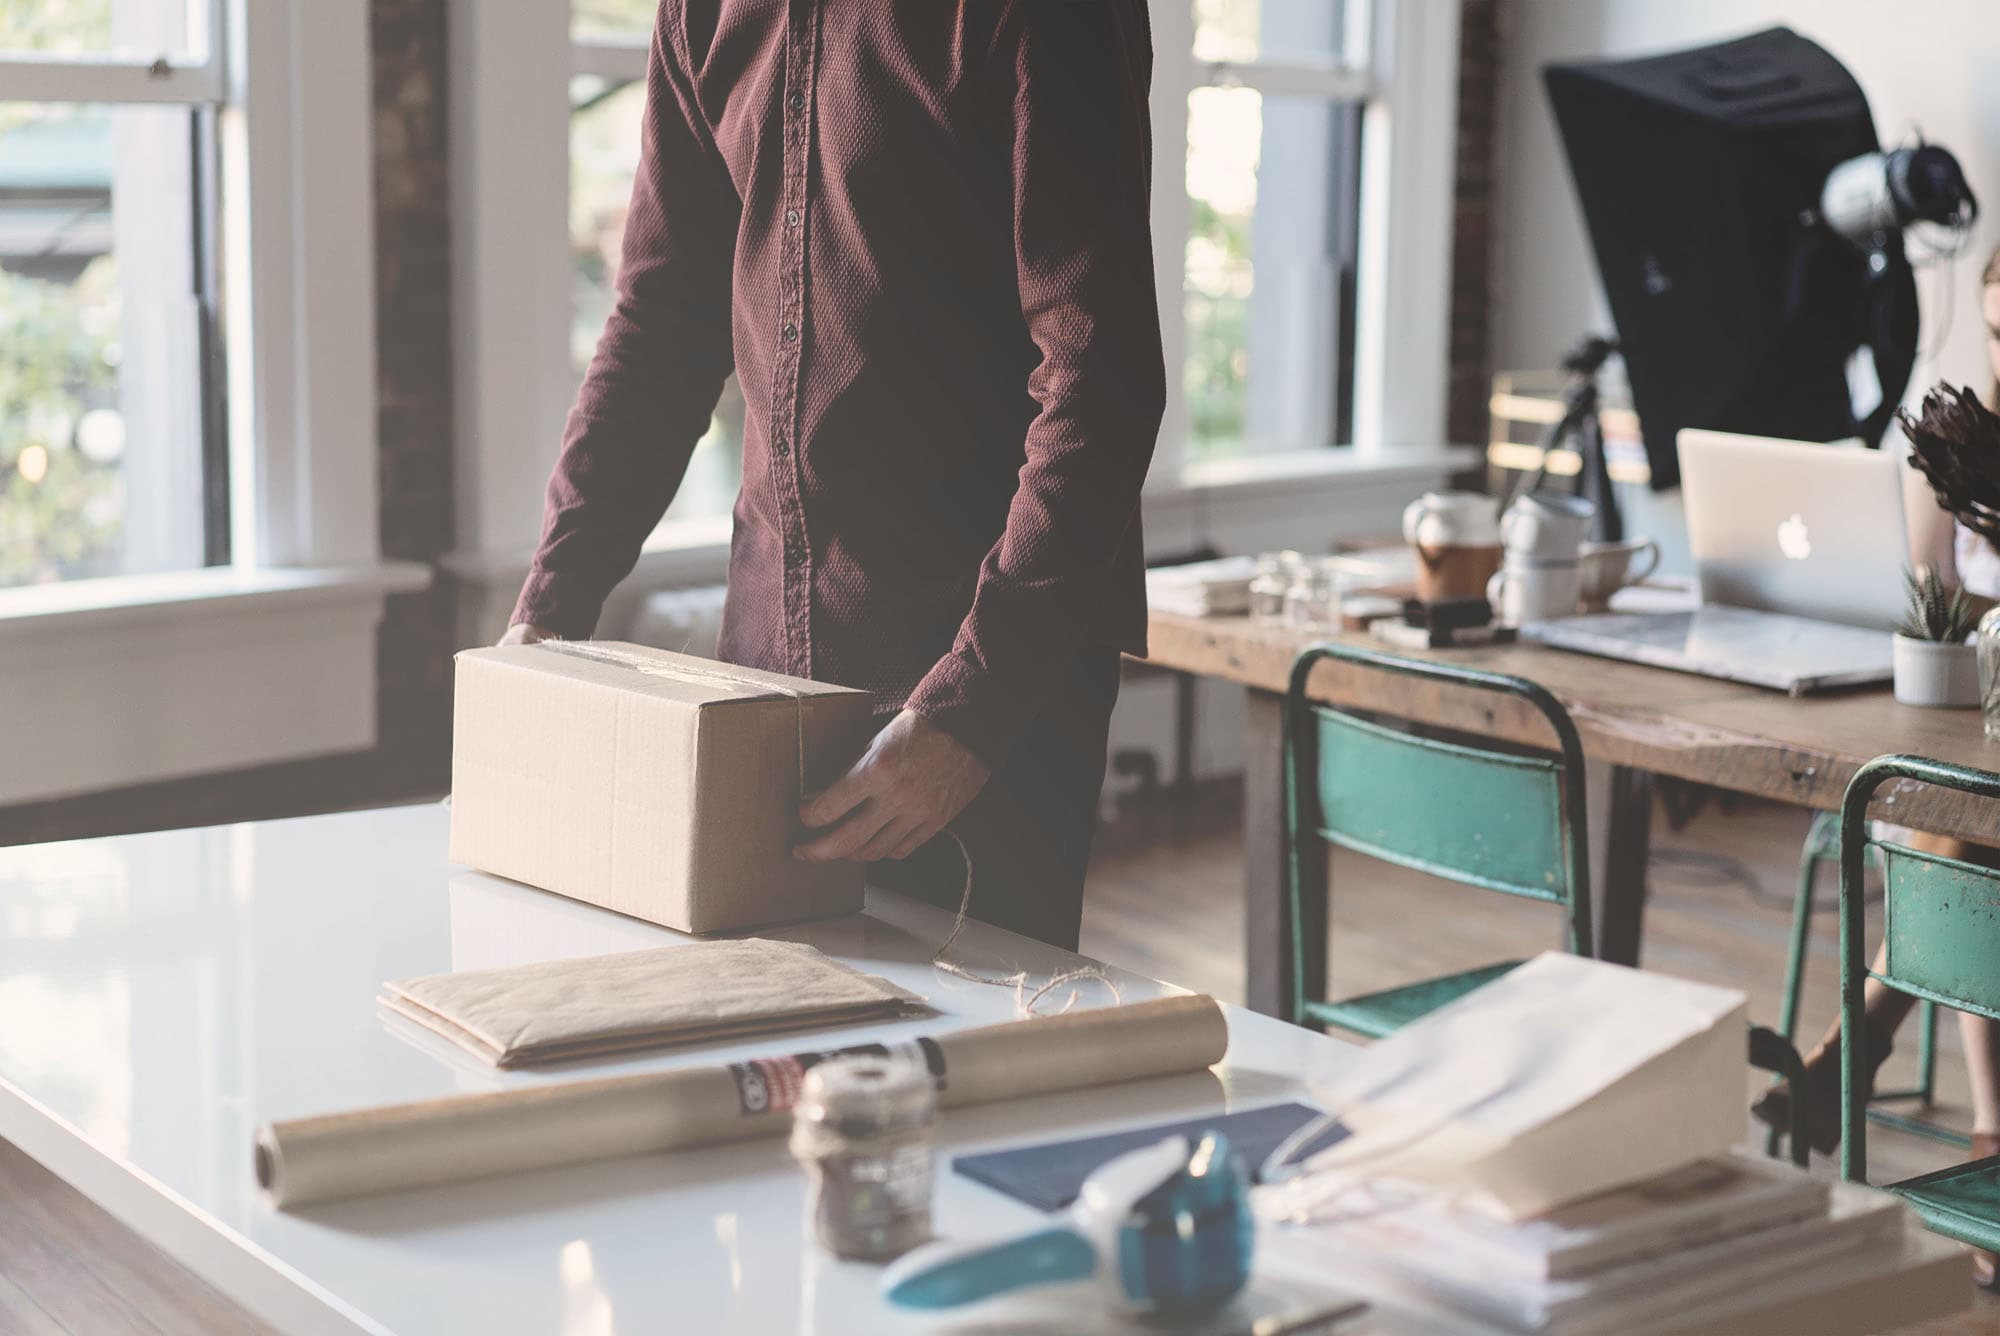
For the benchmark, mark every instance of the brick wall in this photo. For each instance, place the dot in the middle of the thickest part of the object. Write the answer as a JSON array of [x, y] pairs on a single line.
[[414, 340], [1472, 224]]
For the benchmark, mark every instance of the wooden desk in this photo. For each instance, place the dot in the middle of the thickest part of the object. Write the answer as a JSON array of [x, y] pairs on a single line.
[[1640, 721]]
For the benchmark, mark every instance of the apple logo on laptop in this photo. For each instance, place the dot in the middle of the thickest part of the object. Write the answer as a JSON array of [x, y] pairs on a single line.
[[1793, 539]]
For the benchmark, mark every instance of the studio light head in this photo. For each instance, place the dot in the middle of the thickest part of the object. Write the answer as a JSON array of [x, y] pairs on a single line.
[[1872, 197]]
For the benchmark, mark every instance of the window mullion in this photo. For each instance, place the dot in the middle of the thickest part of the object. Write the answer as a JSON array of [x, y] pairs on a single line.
[[1174, 78]]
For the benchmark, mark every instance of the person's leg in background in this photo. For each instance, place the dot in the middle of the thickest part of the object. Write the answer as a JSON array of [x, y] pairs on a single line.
[[1885, 1010], [1981, 1037], [1029, 831]]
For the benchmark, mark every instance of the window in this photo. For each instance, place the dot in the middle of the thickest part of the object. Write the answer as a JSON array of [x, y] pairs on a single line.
[[111, 458], [607, 97], [1272, 115]]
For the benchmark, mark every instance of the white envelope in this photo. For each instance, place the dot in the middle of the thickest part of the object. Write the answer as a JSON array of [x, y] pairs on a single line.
[[1560, 1079]]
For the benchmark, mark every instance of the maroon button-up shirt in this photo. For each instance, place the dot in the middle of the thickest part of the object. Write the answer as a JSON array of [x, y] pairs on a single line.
[[918, 232]]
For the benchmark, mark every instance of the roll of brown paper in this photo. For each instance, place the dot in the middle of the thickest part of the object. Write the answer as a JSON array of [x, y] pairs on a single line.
[[461, 1137]]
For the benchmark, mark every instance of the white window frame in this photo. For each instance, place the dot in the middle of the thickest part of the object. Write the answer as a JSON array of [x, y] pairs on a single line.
[[137, 678], [1407, 80], [510, 124]]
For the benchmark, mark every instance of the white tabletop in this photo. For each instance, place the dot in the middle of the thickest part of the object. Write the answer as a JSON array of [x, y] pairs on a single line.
[[165, 994]]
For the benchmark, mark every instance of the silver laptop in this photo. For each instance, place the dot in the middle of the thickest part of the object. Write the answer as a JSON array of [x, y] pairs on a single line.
[[1799, 551]]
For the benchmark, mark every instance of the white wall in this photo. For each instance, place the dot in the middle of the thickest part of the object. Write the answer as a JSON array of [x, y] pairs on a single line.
[[1929, 64]]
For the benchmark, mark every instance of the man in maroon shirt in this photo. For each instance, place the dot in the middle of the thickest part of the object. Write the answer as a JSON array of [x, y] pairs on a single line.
[[917, 230]]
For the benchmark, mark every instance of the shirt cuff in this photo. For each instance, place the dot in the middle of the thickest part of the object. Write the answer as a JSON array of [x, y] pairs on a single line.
[[965, 701], [562, 604]]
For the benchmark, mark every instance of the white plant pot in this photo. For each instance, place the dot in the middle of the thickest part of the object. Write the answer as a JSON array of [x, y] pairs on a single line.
[[1931, 672]]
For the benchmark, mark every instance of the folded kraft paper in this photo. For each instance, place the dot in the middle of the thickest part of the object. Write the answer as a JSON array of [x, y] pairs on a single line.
[[591, 1006], [366, 1151], [660, 785]]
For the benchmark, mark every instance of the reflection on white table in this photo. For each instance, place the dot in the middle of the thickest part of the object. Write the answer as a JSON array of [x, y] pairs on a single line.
[[165, 994]]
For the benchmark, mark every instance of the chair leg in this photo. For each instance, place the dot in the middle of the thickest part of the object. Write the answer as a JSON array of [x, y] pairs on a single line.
[[1795, 958], [1927, 1054]]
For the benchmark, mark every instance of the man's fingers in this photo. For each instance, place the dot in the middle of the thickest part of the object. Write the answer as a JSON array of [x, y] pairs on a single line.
[[916, 838], [844, 840], [886, 841], [843, 796]]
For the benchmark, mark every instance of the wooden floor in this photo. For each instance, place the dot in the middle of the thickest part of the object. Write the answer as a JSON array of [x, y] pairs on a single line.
[[68, 1269], [1165, 899]]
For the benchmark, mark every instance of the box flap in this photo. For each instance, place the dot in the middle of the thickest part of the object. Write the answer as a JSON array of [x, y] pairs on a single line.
[[644, 670]]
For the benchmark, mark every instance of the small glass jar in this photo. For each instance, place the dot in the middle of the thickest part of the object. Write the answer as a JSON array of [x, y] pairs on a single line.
[[1988, 640], [863, 1131], [1312, 601], [1270, 584]]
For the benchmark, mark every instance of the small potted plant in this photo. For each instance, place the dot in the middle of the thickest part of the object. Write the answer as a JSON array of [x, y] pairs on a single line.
[[1934, 664]]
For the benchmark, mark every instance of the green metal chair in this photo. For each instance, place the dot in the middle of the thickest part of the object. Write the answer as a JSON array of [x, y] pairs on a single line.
[[1941, 928], [1501, 820], [1498, 819], [1822, 846]]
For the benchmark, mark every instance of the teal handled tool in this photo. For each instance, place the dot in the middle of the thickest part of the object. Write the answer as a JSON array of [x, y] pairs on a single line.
[[1165, 1230]]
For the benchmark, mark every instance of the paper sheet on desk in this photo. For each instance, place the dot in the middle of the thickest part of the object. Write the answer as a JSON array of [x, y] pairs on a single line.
[[592, 1006], [1562, 1078]]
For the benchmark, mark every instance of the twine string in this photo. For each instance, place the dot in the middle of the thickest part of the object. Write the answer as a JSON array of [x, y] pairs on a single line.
[[1024, 1001]]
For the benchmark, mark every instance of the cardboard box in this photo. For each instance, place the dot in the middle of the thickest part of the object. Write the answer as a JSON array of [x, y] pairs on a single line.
[[660, 785]]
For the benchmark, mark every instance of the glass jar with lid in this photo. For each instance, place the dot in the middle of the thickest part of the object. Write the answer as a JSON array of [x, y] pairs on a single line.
[[1988, 640], [1270, 584], [1312, 599]]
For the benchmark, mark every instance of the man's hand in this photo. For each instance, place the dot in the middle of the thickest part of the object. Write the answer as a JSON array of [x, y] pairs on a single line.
[[526, 633], [913, 779]]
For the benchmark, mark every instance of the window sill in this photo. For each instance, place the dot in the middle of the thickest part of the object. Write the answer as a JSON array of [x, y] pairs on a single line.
[[204, 596], [142, 678], [1245, 503], [1281, 470]]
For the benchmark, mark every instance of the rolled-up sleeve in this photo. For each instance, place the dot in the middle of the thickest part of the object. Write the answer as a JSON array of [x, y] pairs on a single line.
[[1069, 81], [659, 366]]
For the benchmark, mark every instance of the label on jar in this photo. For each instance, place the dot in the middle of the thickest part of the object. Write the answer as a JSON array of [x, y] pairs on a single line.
[[773, 1085]]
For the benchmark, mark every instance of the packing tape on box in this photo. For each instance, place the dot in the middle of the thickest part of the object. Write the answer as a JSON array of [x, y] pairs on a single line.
[[704, 676], [367, 1151]]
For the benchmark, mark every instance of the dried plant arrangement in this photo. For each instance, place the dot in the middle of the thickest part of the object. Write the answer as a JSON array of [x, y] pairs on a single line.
[[1955, 444]]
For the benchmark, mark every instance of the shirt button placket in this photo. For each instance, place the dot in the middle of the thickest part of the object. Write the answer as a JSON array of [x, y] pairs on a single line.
[[797, 592]]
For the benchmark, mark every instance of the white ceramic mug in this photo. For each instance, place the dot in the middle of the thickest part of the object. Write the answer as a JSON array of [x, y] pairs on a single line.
[[1546, 526], [1458, 519], [1609, 567], [1521, 593]]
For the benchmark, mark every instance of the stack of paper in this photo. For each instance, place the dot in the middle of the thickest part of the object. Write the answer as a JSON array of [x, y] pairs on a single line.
[[1202, 588], [1627, 1258], [595, 1006]]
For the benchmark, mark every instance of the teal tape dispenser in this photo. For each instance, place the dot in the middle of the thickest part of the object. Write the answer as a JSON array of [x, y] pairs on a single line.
[[1164, 1230]]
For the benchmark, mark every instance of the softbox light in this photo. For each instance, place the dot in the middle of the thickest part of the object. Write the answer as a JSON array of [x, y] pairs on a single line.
[[1738, 309]]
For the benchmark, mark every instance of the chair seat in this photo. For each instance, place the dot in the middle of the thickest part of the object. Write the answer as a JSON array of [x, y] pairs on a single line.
[[1385, 1012], [1962, 1202]]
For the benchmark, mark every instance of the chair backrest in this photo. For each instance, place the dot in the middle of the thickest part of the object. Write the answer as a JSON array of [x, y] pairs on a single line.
[[1483, 816], [1940, 929]]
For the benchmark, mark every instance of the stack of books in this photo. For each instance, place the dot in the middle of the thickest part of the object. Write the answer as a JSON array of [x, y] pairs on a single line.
[[1630, 1257], [1202, 588]]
